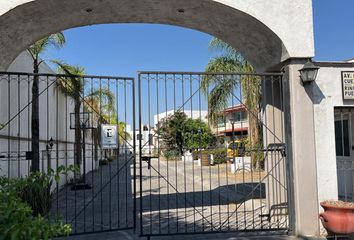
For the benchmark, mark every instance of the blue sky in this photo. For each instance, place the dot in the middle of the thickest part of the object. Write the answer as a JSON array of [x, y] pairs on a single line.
[[123, 49], [334, 29]]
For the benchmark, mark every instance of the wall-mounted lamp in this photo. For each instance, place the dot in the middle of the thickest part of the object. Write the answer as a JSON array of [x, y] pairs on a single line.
[[309, 72], [50, 144]]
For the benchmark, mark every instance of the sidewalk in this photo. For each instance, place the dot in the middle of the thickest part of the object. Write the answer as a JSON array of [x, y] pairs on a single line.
[[129, 235]]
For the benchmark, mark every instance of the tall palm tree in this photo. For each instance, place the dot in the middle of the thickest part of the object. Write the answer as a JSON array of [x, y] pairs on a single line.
[[97, 101], [55, 40], [222, 89], [73, 86]]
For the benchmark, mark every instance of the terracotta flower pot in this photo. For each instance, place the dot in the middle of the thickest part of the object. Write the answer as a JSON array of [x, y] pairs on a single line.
[[338, 217]]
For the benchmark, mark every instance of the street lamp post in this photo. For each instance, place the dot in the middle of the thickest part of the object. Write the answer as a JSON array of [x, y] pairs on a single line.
[[83, 127], [232, 122]]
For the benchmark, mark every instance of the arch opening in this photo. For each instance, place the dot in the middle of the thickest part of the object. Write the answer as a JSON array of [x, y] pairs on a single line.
[[257, 43]]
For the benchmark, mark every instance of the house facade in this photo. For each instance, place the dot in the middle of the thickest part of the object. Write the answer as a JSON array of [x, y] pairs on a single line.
[[233, 124]]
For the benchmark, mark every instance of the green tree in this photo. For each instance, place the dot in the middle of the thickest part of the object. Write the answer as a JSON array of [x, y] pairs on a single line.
[[222, 89], [171, 130], [73, 85], [197, 135], [55, 40], [178, 132]]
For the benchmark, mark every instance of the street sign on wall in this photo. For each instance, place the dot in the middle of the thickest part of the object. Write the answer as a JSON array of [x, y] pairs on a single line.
[[348, 85], [109, 136]]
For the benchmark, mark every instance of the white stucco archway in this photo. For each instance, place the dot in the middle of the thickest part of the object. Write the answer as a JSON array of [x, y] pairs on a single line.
[[266, 33]]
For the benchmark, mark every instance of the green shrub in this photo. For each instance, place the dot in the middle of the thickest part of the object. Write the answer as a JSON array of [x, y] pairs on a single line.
[[220, 154], [17, 221], [171, 154], [24, 202], [35, 190], [103, 162]]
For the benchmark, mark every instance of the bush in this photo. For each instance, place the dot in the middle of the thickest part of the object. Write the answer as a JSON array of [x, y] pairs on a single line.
[[35, 190], [103, 162], [24, 202], [171, 154], [220, 154], [17, 221]]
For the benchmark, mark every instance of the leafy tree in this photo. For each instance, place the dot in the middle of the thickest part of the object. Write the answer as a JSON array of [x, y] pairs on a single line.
[[55, 40], [222, 88], [178, 132], [197, 134], [171, 131]]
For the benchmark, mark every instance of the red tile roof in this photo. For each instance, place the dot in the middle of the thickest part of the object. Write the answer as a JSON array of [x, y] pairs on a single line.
[[237, 108]]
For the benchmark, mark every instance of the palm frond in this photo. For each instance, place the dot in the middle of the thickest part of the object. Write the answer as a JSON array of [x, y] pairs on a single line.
[[225, 49], [56, 40], [73, 83], [218, 64], [220, 95], [104, 97]]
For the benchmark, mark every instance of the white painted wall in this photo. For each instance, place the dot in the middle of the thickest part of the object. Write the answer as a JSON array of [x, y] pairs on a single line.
[[53, 121], [194, 114], [326, 94]]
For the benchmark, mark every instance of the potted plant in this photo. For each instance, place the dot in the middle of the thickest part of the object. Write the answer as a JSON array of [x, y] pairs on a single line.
[[338, 217]]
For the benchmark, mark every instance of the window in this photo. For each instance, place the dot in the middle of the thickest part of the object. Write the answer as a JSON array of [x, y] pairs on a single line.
[[342, 138], [138, 137], [221, 122], [239, 116]]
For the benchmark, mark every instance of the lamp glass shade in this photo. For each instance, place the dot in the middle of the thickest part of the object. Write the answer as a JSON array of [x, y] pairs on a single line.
[[309, 72]]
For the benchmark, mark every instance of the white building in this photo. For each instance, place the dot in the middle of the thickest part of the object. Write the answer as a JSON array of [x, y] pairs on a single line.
[[334, 131], [148, 139], [194, 114]]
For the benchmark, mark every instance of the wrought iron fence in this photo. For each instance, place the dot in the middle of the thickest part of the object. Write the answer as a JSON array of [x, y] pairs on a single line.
[[238, 181], [100, 197]]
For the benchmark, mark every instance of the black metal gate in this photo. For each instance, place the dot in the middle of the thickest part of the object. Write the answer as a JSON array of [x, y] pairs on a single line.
[[212, 153], [100, 196], [211, 150]]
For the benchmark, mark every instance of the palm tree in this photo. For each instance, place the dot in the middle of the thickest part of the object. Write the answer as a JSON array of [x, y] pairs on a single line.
[[223, 88], [73, 86], [55, 40], [97, 101]]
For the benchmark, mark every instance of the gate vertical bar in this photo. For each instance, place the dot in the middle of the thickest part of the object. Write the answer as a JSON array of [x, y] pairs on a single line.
[[140, 160], [134, 153]]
